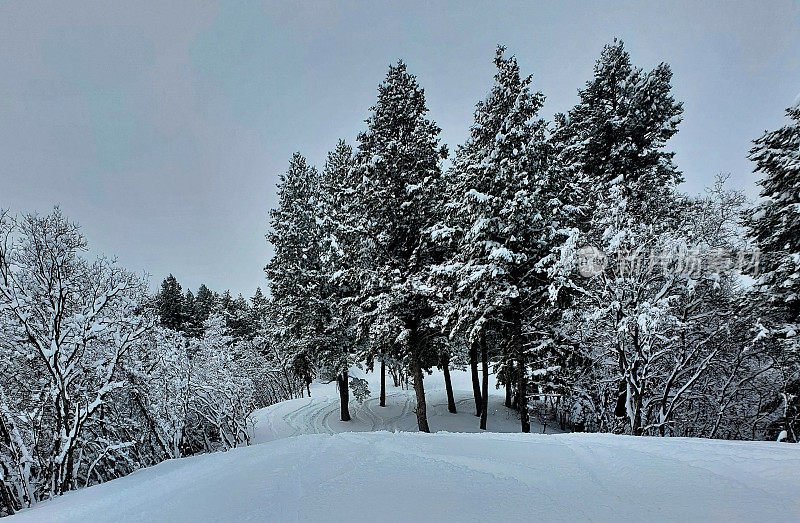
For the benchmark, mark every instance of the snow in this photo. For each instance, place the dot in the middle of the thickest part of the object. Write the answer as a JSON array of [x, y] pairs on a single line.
[[307, 466], [319, 414], [479, 196], [501, 253], [383, 476]]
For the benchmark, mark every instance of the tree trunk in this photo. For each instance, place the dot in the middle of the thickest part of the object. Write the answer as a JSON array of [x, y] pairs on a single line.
[[522, 386], [451, 401], [476, 384], [485, 398], [6, 497], [636, 422], [522, 367], [507, 375], [622, 397], [383, 381], [636, 395], [344, 394], [419, 389]]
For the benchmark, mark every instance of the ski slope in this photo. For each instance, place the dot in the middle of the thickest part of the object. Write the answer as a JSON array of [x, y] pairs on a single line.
[[308, 466], [320, 413], [381, 476]]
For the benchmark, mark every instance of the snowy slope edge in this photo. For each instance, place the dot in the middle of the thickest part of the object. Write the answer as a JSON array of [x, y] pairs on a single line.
[[407, 476]]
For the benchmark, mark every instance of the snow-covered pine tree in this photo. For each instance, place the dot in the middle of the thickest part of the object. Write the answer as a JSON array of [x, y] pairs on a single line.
[[775, 223], [611, 146], [775, 227], [339, 283], [239, 319], [225, 302], [193, 325], [258, 304], [294, 270], [495, 225], [612, 141], [398, 161], [205, 303]]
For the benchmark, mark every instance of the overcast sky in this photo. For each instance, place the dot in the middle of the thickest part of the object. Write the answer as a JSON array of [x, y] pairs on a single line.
[[161, 128]]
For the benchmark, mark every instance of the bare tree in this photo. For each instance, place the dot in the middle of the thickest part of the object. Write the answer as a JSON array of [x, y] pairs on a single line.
[[72, 322]]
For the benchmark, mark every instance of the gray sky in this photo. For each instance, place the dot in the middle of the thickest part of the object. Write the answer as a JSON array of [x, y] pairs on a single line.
[[161, 127]]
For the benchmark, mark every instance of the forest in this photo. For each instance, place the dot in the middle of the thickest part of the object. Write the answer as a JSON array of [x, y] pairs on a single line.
[[560, 256]]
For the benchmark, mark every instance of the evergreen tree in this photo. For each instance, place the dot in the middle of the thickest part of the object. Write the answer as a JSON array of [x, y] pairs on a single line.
[[225, 302], [339, 283], [170, 303], [775, 227], [775, 223], [611, 146], [239, 320], [258, 303], [294, 270], [496, 225], [205, 303], [398, 160], [188, 300], [613, 139], [192, 326]]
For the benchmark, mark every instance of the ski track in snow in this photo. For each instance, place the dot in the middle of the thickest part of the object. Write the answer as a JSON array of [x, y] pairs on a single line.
[[320, 414]]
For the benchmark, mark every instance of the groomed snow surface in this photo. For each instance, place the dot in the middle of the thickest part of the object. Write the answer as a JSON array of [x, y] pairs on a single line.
[[307, 465], [320, 414]]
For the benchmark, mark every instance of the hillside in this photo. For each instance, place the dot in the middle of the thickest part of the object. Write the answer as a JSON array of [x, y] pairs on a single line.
[[385, 476], [306, 466]]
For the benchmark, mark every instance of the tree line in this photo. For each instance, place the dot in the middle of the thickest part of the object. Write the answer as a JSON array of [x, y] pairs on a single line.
[[560, 255]]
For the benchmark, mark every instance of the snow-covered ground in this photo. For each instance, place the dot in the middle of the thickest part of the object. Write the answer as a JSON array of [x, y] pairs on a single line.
[[380, 476], [308, 467], [320, 414]]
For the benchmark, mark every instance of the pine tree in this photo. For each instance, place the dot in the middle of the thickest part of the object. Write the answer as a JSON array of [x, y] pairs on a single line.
[[398, 160], [258, 304], [294, 270], [495, 224], [611, 147], [192, 326], [613, 139], [239, 319], [225, 302], [170, 303], [337, 281], [774, 225], [205, 303]]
